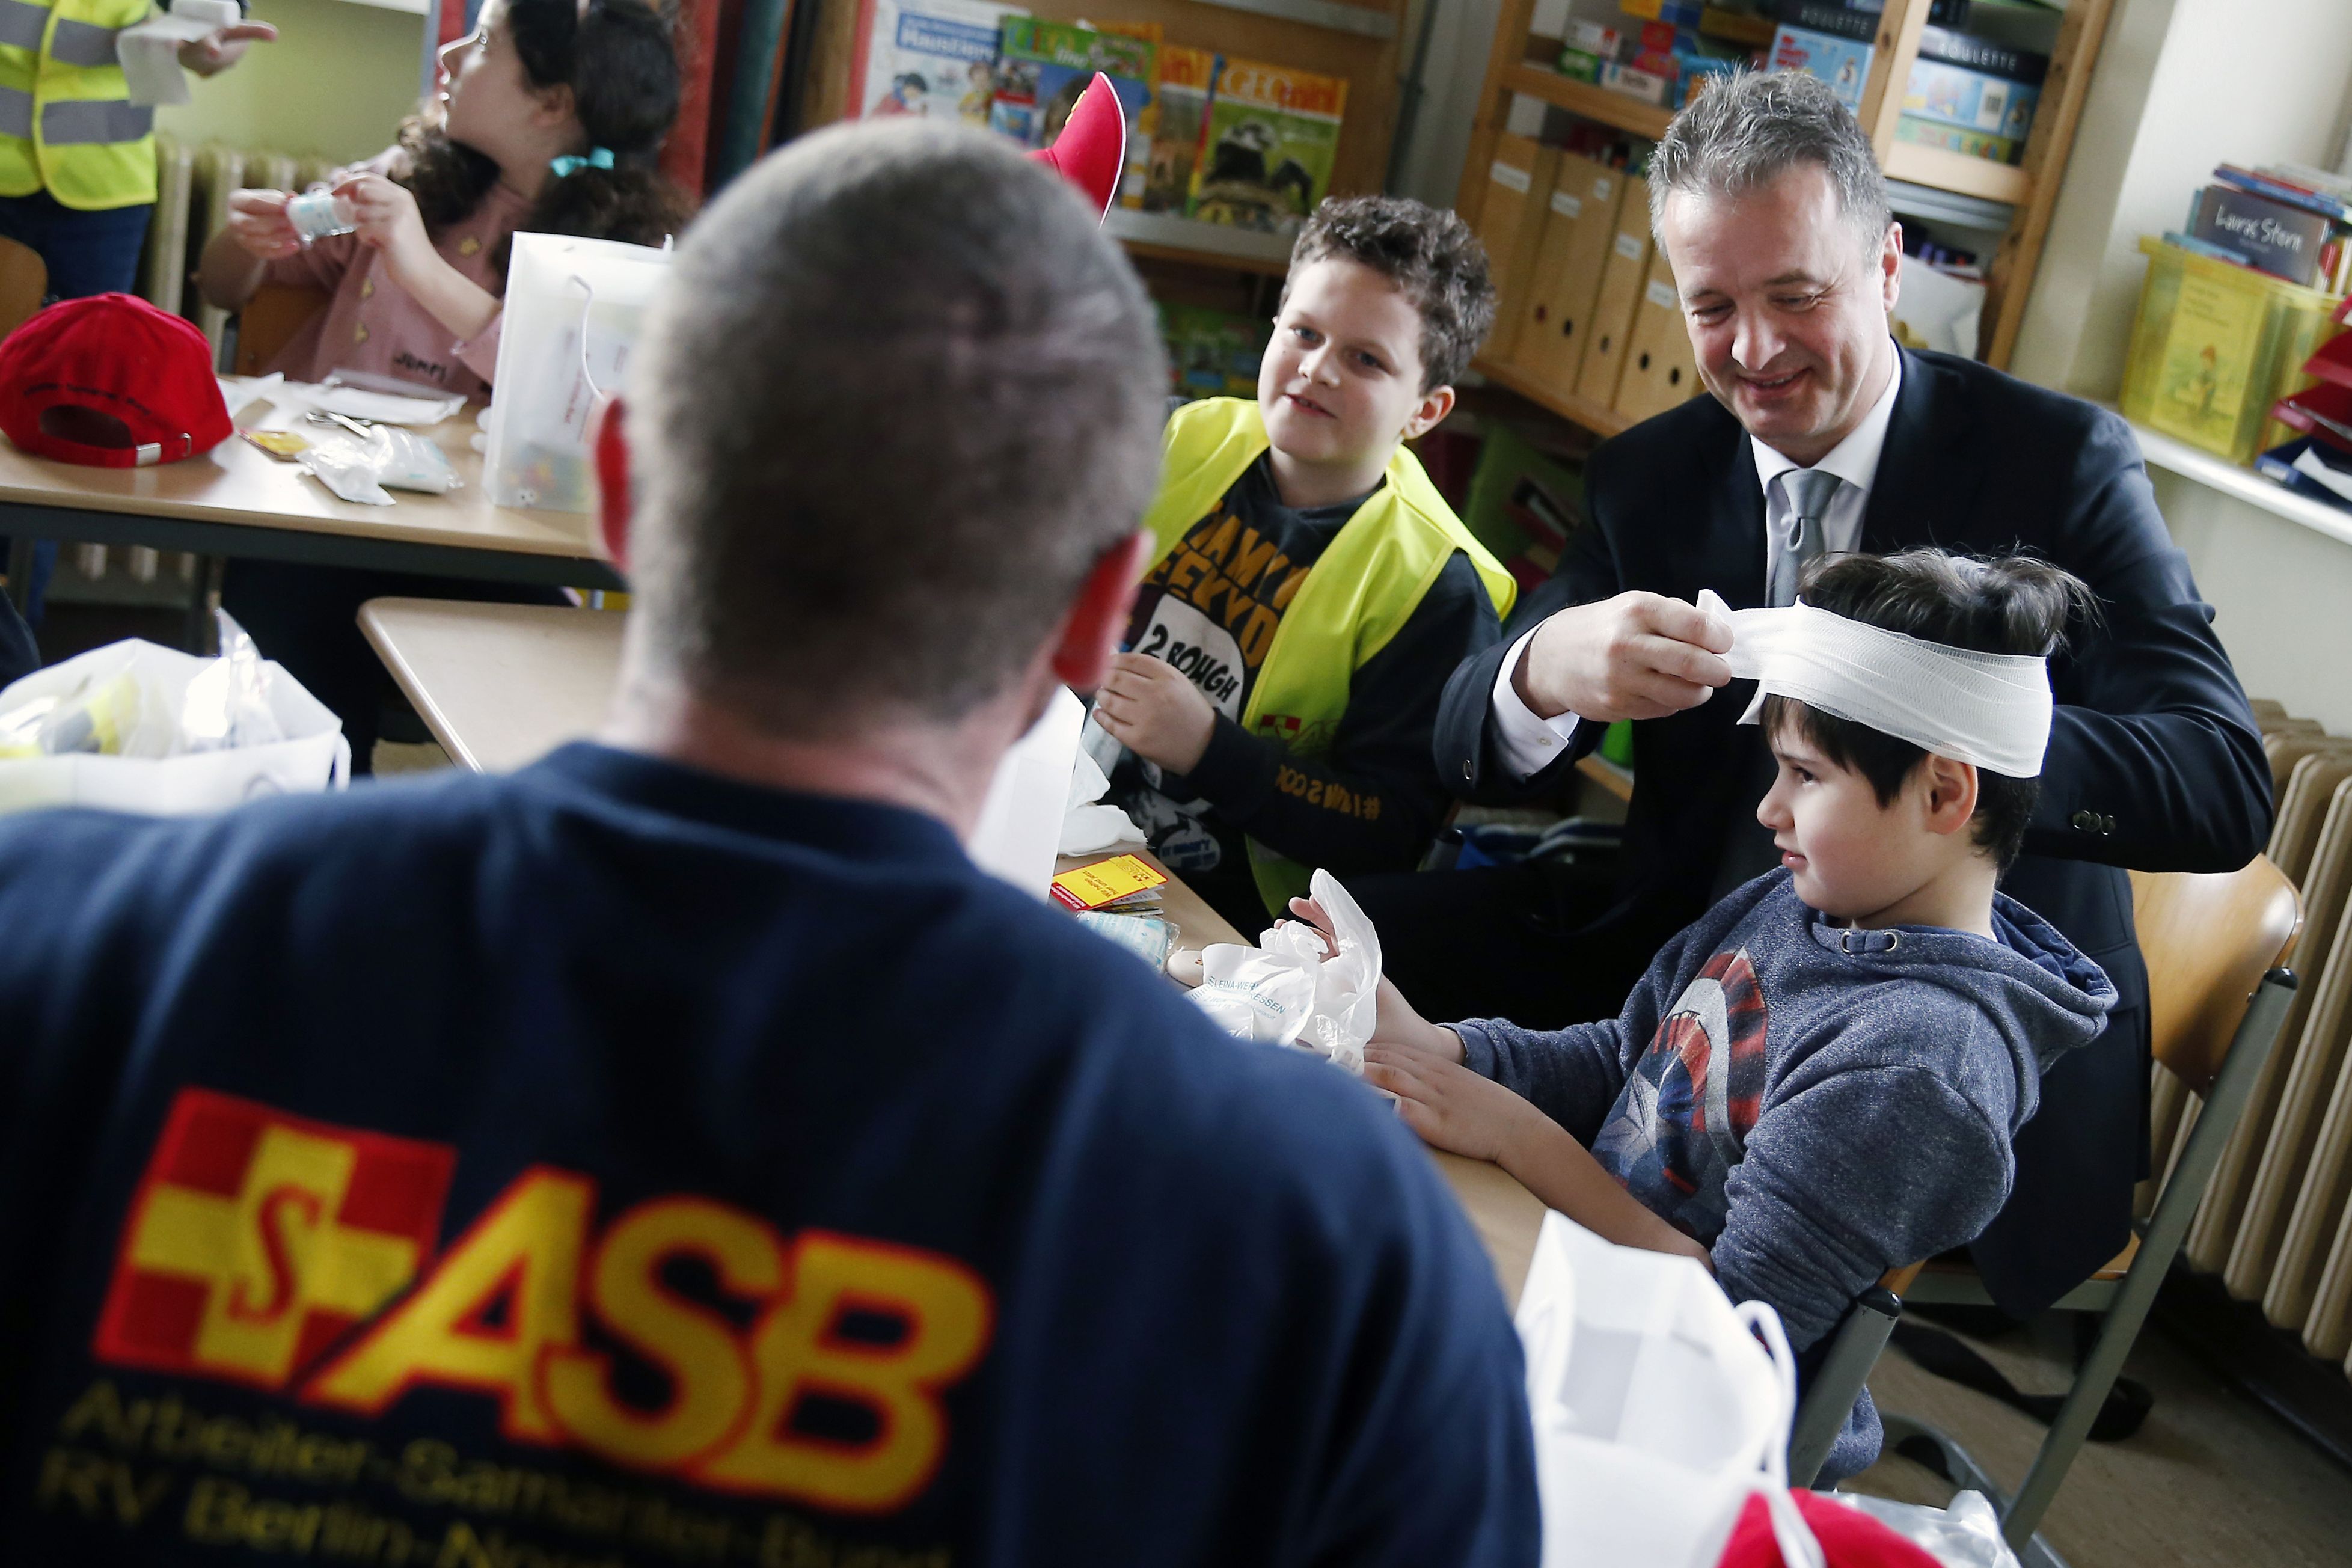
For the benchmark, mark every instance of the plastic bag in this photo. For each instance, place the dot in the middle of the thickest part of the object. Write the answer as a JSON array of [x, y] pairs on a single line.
[[366, 468], [1089, 827], [136, 726], [134, 698], [1289, 989], [1965, 1535]]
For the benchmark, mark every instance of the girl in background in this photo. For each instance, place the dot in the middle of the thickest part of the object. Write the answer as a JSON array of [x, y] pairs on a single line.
[[550, 119]]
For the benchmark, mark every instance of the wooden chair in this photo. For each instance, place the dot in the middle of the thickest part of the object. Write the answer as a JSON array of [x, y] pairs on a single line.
[[2218, 992], [269, 321], [24, 284]]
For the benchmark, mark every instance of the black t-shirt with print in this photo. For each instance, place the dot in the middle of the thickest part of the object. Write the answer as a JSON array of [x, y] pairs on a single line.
[[1370, 802]]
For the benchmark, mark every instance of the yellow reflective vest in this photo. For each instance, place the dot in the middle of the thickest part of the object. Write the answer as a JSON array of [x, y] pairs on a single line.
[[67, 121], [1360, 593]]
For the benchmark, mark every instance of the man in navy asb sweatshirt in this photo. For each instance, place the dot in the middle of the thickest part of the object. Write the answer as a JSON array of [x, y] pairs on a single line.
[[678, 1152]]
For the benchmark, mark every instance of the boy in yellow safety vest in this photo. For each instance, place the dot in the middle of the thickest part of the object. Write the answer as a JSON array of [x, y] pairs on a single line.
[[1311, 590]]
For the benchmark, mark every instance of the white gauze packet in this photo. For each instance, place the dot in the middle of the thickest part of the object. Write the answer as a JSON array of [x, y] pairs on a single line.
[[1285, 991]]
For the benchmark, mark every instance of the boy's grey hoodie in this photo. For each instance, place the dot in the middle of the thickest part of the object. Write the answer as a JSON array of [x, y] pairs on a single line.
[[1815, 1104]]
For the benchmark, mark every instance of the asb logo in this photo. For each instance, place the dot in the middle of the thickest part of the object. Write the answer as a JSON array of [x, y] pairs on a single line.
[[258, 1238], [294, 1255]]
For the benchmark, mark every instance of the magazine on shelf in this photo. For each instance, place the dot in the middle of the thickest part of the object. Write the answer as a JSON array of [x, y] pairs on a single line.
[[931, 57], [1273, 137]]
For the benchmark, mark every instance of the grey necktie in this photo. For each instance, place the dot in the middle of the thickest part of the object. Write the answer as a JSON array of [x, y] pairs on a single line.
[[1747, 848], [1809, 493]]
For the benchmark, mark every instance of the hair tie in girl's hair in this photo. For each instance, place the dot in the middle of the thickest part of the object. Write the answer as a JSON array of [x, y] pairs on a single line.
[[571, 164]]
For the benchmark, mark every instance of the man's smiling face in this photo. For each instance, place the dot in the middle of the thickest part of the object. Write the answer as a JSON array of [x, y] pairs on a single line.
[[1786, 302]]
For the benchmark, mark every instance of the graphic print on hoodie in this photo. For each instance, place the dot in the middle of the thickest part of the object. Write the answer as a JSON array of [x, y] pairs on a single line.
[[1682, 1120]]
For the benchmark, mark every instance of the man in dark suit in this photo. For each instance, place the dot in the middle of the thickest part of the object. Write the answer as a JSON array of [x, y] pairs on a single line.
[[1823, 435]]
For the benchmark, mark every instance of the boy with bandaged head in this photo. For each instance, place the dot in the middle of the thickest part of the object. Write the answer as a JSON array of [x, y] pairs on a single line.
[[1819, 1079]]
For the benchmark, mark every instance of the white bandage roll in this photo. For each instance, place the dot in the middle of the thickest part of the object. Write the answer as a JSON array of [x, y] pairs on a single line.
[[1989, 709]]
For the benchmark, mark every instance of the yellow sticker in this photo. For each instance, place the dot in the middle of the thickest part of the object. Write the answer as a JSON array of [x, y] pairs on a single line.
[[1104, 882], [282, 444]]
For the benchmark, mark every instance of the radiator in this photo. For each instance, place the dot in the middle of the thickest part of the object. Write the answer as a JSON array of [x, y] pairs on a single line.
[[192, 192], [2275, 1224]]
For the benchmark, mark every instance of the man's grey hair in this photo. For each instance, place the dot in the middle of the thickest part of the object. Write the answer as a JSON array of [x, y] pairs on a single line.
[[1747, 129], [896, 400]]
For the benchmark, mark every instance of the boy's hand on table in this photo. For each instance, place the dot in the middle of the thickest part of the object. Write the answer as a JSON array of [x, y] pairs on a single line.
[[1155, 710], [1450, 1106], [259, 221]]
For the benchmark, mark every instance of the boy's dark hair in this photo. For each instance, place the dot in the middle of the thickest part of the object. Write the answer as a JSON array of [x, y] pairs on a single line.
[[899, 399], [616, 57], [1431, 256], [2016, 605]]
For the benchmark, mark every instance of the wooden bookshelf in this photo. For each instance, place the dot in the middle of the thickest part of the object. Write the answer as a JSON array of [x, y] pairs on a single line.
[[1596, 103], [1362, 40], [1520, 63], [1576, 410]]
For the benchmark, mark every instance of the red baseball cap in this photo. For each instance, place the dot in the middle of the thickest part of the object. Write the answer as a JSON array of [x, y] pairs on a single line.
[[113, 382]]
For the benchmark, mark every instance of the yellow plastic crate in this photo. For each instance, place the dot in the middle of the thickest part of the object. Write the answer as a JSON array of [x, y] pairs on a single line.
[[2215, 345]]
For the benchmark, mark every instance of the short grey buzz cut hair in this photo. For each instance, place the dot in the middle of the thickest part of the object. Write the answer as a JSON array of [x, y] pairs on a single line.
[[896, 400], [1748, 129]]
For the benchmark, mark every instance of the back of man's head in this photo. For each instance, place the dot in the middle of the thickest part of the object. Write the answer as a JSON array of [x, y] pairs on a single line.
[[900, 397]]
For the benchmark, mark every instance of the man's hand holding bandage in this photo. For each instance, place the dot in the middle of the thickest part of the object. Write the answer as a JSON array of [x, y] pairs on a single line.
[[1637, 656]]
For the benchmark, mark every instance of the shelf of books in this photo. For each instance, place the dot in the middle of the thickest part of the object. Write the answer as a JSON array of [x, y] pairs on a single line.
[[1171, 236], [1941, 170], [1242, 115], [1618, 111]]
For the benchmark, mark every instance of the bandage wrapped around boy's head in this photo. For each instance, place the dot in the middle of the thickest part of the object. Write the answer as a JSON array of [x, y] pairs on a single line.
[[1989, 709]]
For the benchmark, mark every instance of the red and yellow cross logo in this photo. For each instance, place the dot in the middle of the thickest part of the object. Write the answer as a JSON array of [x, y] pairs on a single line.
[[256, 1238]]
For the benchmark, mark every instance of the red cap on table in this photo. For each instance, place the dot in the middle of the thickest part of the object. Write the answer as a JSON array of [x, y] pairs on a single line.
[[113, 382]]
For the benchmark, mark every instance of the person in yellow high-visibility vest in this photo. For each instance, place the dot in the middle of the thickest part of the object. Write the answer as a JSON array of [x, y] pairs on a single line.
[[77, 156]]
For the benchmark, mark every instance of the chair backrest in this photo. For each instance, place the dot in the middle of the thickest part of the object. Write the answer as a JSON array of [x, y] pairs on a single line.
[[24, 283], [2208, 938], [269, 321]]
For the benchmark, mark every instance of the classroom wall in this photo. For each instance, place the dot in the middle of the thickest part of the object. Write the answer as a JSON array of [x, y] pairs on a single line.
[[336, 82], [2182, 85]]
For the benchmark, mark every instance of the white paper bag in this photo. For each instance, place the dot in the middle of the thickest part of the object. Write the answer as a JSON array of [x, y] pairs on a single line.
[[573, 310], [313, 754], [1020, 823], [1657, 1411]]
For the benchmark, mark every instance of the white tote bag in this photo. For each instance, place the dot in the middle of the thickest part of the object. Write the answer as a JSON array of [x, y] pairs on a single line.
[[573, 310], [1657, 1412]]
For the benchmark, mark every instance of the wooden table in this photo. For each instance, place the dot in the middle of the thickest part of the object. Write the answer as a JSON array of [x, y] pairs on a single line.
[[237, 501], [502, 685]]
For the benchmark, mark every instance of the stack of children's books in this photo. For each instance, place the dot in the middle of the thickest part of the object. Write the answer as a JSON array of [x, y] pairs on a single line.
[[1221, 140], [2285, 219], [1211, 353]]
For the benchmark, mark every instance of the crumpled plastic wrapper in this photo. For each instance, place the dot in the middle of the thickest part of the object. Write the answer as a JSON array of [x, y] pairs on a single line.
[[1286, 991], [1088, 828]]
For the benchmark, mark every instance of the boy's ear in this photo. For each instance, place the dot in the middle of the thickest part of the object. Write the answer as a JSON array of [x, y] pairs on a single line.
[[1951, 796], [1429, 412]]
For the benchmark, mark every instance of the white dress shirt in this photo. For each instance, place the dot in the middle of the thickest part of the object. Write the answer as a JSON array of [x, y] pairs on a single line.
[[1529, 743]]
